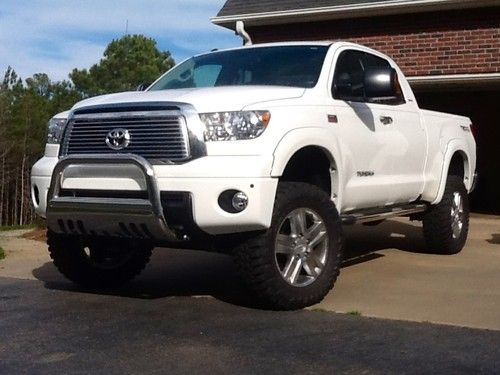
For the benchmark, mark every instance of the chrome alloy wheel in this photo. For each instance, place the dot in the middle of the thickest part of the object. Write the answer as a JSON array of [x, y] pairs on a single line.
[[301, 247], [457, 214]]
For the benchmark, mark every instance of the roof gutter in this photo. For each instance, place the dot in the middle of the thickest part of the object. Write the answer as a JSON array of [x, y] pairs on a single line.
[[378, 8], [483, 80]]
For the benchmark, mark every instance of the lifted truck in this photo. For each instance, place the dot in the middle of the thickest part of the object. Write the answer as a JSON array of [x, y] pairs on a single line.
[[262, 151]]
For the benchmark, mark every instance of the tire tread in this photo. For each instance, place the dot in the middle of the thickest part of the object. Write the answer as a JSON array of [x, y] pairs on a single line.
[[69, 259], [255, 261], [437, 222]]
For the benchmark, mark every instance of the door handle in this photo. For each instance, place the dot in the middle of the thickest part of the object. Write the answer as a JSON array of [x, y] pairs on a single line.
[[386, 120]]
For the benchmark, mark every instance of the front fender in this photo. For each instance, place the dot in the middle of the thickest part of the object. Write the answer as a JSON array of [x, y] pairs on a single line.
[[297, 139]]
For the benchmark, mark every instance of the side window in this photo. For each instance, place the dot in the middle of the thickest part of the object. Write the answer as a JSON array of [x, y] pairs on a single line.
[[373, 61], [348, 80], [348, 77]]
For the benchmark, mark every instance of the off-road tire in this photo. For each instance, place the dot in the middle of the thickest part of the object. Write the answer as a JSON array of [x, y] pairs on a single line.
[[255, 257], [70, 258], [438, 221]]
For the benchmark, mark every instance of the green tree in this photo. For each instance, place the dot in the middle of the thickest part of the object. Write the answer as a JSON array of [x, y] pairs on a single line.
[[24, 111], [128, 62], [26, 106]]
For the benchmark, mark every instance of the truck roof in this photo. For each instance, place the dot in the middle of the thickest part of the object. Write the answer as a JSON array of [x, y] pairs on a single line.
[[325, 43], [274, 44]]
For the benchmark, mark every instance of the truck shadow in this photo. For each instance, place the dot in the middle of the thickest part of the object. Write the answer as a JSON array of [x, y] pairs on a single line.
[[174, 272], [363, 241]]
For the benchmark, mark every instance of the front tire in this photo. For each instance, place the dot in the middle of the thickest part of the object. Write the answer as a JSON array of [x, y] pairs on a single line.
[[296, 261], [446, 224], [98, 263]]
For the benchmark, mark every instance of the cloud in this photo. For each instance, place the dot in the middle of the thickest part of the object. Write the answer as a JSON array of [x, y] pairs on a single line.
[[56, 36]]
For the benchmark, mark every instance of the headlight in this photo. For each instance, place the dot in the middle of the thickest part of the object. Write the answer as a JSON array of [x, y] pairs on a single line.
[[231, 126], [56, 129]]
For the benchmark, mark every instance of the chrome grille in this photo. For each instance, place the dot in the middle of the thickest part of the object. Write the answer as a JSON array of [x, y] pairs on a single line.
[[153, 134]]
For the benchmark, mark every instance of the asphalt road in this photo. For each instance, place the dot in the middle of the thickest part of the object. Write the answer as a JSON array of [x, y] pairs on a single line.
[[54, 328]]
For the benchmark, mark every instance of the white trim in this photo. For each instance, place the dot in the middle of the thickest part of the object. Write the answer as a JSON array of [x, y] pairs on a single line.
[[451, 79], [352, 10]]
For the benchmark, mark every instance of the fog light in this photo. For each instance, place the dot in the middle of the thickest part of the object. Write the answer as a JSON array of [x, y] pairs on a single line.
[[233, 201], [239, 201]]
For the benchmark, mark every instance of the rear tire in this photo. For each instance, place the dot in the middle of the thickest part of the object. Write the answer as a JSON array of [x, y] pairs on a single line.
[[446, 224], [98, 263], [296, 261]]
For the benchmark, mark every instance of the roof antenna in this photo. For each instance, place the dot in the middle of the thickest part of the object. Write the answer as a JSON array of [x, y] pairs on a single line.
[[240, 30]]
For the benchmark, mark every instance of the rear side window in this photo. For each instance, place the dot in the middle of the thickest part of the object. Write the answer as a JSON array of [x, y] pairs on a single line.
[[348, 81]]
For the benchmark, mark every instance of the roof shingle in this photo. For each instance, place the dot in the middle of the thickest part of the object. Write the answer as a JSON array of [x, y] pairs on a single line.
[[238, 7]]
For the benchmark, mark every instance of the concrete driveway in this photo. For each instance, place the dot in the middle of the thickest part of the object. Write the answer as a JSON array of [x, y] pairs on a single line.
[[389, 275], [386, 274]]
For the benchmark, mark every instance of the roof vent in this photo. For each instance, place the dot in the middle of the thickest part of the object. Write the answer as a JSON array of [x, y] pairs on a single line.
[[240, 30]]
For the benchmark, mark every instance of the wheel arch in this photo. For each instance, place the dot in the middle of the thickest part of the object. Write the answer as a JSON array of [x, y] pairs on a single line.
[[312, 151], [456, 162]]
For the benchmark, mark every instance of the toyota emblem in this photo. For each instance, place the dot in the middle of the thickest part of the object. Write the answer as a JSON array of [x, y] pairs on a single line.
[[118, 139]]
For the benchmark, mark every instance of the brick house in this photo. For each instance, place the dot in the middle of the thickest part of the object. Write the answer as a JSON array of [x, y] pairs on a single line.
[[448, 49]]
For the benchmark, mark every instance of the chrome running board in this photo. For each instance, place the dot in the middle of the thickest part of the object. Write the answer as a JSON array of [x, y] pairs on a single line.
[[374, 214]]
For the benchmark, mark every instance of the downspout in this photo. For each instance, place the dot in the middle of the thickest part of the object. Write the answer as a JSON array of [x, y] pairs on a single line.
[[240, 30]]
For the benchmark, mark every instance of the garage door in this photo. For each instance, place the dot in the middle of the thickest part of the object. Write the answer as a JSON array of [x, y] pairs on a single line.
[[483, 107]]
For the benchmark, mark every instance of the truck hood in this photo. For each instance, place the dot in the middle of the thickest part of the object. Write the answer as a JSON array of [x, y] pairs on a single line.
[[207, 99]]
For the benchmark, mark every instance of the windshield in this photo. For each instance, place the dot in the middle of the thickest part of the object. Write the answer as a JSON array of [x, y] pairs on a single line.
[[297, 66]]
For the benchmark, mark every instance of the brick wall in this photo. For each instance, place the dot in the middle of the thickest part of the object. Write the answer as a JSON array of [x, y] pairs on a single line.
[[453, 42]]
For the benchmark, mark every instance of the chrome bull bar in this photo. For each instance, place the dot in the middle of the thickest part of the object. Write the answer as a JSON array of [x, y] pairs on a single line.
[[105, 216]]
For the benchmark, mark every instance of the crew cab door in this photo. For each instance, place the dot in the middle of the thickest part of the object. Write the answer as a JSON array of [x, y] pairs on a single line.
[[366, 158], [401, 132], [383, 142]]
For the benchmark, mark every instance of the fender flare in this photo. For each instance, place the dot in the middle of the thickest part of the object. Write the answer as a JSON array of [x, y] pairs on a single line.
[[454, 146], [320, 137], [296, 140]]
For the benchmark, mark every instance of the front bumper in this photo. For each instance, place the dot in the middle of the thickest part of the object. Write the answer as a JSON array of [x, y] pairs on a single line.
[[107, 216], [133, 204]]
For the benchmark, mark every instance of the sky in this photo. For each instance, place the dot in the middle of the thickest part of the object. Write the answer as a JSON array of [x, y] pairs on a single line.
[[55, 36]]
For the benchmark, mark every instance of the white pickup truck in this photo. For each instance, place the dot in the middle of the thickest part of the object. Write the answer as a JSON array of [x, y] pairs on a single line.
[[263, 151]]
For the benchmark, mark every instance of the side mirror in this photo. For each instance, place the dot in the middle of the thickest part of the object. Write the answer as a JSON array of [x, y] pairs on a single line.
[[381, 83]]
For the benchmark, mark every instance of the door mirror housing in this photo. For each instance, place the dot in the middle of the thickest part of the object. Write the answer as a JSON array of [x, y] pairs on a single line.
[[381, 84]]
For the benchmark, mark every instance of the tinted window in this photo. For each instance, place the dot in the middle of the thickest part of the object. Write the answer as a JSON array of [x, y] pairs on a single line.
[[348, 78], [373, 61], [297, 66]]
